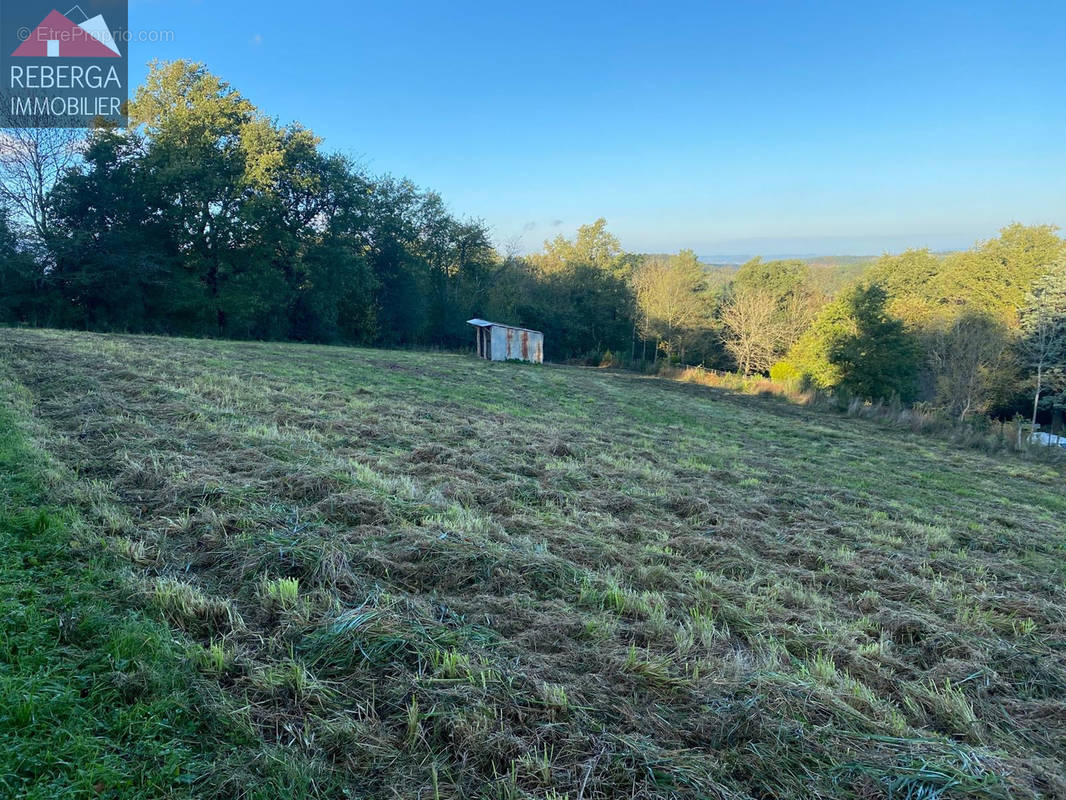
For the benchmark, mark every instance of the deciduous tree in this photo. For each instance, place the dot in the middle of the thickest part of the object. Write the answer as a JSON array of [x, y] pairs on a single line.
[[32, 160], [877, 358], [670, 300], [754, 335], [968, 359], [1043, 325], [751, 329]]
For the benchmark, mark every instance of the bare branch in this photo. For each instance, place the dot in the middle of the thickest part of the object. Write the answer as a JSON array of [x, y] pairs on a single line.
[[32, 159]]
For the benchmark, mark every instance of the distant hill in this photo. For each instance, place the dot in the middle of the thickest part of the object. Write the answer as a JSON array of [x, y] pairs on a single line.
[[735, 260], [831, 273]]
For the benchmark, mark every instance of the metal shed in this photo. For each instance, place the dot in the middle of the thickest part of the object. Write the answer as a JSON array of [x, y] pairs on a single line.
[[499, 342]]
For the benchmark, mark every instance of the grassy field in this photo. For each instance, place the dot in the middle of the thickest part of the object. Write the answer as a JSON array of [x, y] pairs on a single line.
[[265, 570]]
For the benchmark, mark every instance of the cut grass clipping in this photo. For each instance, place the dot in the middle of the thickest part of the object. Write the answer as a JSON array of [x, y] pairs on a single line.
[[289, 571], [96, 697]]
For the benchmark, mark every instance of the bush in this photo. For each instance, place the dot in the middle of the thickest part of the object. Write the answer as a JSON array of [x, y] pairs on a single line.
[[784, 371]]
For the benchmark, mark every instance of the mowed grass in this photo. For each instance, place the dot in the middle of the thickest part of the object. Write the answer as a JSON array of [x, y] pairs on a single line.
[[389, 574], [96, 697]]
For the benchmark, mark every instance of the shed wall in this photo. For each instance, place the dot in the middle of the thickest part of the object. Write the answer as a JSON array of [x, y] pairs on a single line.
[[517, 344]]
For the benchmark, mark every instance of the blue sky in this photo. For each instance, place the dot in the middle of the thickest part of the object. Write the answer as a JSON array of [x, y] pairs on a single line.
[[727, 127]]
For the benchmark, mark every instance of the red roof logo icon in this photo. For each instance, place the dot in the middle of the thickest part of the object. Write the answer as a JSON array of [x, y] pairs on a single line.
[[58, 37]]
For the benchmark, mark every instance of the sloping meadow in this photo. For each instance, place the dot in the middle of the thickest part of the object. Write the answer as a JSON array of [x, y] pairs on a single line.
[[430, 575]]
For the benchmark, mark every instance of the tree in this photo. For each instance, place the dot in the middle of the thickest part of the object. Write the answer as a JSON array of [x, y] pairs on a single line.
[[967, 359], [808, 360], [279, 235], [1043, 325], [767, 334], [669, 294], [594, 246], [115, 264], [909, 278], [999, 274], [753, 335], [855, 345], [877, 358], [209, 218], [962, 307], [780, 278], [584, 309], [201, 138], [992, 278], [304, 214], [21, 297], [32, 160], [575, 291]]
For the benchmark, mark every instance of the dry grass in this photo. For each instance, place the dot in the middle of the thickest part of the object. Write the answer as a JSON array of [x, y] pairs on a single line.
[[434, 576], [977, 432]]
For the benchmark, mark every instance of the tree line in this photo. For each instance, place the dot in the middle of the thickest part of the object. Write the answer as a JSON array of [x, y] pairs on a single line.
[[976, 332], [206, 217]]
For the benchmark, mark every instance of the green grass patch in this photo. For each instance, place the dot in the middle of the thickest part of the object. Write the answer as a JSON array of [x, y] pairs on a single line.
[[97, 699]]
